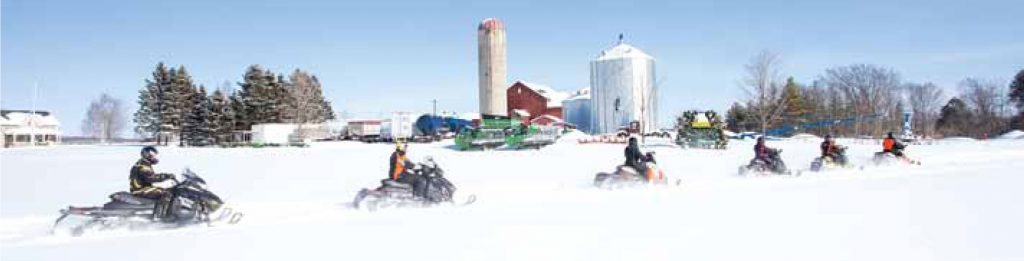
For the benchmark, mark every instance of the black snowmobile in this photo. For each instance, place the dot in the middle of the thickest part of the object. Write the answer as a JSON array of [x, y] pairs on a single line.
[[436, 190], [191, 203], [839, 161], [773, 165], [625, 176]]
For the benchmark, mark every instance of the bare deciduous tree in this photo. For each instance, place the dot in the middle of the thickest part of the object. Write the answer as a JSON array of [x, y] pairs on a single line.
[[105, 118], [985, 98], [870, 91], [763, 85], [925, 101]]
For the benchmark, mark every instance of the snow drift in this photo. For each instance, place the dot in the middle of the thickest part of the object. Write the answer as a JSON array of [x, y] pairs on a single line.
[[962, 204]]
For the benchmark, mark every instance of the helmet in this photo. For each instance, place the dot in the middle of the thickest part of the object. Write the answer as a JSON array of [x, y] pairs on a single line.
[[149, 153], [828, 136], [890, 134], [400, 146]]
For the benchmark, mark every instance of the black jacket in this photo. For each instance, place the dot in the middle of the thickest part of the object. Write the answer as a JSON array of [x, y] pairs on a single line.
[[634, 158], [143, 176]]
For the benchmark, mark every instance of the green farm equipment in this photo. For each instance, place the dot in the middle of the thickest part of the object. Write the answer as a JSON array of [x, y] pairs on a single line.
[[512, 133], [701, 129]]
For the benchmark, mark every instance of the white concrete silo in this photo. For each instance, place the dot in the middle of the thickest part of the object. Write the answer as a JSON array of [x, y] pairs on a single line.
[[492, 73], [623, 89]]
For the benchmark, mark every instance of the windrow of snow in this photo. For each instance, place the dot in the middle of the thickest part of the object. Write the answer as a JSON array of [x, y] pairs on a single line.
[[574, 136], [1012, 135], [805, 136], [958, 139]]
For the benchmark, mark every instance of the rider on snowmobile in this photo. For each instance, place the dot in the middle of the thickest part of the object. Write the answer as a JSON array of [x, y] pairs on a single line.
[[761, 151], [891, 145], [143, 176], [400, 170], [634, 158], [829, 149]]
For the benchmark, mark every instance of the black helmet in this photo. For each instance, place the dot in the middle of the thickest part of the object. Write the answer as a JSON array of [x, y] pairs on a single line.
[[828, 136], [890, 134], [149, 153], [632, 140]]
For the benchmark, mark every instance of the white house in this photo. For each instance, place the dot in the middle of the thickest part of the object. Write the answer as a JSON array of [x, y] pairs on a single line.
[[22, 127]]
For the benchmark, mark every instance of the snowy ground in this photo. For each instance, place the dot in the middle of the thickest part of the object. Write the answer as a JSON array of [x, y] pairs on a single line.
[[964, 203]]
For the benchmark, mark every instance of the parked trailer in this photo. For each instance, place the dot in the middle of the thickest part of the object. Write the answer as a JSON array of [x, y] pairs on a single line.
[[399, 127], [364, 130]]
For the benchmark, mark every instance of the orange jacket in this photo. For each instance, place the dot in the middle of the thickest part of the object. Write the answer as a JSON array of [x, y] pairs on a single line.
[[887, 144], [397, 165]]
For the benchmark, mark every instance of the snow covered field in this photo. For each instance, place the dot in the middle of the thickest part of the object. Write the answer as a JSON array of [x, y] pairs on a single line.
[[964, 203]]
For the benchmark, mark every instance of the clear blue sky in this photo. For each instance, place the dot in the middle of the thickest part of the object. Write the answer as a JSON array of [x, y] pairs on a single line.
[[382, 56]]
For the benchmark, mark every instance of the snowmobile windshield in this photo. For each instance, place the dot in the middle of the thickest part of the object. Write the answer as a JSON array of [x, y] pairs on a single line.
[[192, 177]]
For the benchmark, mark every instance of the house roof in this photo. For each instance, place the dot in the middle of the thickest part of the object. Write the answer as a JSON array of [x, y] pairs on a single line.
[[548, 117], [553, 96], [581, 94], [23, 117]]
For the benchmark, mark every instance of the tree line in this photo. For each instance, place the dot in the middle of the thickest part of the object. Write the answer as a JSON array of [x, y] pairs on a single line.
[[171, 104], [870, 100]]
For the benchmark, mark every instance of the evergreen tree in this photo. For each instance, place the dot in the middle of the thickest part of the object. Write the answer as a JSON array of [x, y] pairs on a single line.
[[326, 112], [281, 103], [1017, 91], [739, 118], [196, 130], [222, 117], [1017, 98], [308, 104], [149, 118], [180, 101], [955, 118], [793, 101], [254, 96], [240, 110]]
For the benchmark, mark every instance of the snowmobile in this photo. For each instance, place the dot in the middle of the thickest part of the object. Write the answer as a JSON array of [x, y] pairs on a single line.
[[625, 176], [884, 158], [774, 165], [824, 163], [437, 189], [190, 203]]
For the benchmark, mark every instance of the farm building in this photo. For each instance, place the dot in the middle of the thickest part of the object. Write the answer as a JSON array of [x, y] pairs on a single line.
[[532, 101], [576, 110], [23, 127]]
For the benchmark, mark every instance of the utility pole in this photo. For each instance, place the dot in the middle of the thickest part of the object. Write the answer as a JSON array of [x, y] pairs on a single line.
[[31, 117], [434, 101]]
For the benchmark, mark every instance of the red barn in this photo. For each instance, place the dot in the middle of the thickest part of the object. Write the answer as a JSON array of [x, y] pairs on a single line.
[[535, 99]]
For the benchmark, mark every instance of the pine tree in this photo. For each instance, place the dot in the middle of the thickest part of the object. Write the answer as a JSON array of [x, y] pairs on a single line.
[[326, 112], [1017, 91], [739, 118], [308, 104], [252, 97], [282, 104], [793, 101], [179, 100], [222, 117], [149, 118], [1017, 98], [955, 118], [196, 129], [240, 110]]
